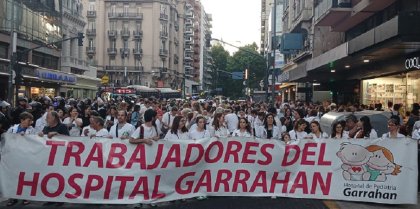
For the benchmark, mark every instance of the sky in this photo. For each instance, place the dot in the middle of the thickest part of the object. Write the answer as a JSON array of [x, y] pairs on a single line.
[[235, 21]]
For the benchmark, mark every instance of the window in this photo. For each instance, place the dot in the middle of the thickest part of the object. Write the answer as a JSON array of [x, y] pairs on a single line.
[[112, 25], [91, 6], [164, 27], [163, 44], [91, 43], [125, 42], [138, 26], [112, 9], [113, 44], [163, 9], [125, 11], [125, 26], [112, 62], [137, 45], [138, 9], [91, 25]]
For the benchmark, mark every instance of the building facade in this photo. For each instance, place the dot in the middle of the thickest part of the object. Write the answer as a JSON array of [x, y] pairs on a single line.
[[361, 51], [73, 59], [136, 42], [266, 8], [34, 24]]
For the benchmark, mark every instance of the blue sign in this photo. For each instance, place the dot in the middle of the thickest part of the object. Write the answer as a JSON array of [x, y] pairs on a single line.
[[238, 75], [56, 76]]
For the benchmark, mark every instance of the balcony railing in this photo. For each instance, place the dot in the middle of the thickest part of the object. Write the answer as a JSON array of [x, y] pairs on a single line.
[[112, 33], [138, 52], [163, 16], [91, 32], [112, 51], [125, 15], [91, 14], [163, 34], [125, 33], [90, 50], [138, 34], [124, 52], [163, 53]]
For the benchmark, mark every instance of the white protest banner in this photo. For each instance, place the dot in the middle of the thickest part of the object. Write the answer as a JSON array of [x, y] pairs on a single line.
[[82, 170]]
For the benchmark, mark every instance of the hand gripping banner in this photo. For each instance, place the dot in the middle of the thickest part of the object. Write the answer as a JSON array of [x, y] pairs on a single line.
[[82, 170]]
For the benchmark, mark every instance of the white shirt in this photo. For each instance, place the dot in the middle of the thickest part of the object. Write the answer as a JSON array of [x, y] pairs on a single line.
[[102, 133], [90, 132], [14, 129], [297, 135], [238, 132], [372, 135], [387, 135], [323, 135], [261, 132], [221, 132], [195, 134], [126, 130], [108, 117], [75, 129], [148, 132], [258, 123], [231, 121], [250, 119], [345, 135], [178, 136], [41, 123]]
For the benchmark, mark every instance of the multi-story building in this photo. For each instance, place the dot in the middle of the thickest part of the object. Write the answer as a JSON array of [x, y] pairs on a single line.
[[266, 8], [363, 51], [136, 42], [73, 59], [35, 24], [207, 66]]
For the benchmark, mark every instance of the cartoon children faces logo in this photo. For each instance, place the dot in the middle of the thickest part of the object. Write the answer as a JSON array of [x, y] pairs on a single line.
[[371, 163]]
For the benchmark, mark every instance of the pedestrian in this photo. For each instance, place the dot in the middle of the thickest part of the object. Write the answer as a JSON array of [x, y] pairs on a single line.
[[54, 127], [122, 130], [146, 133], [73, 122], [178, 130], [365, 129], [244, 129], [199, 131], [298, 131], [337, 131], [316, 132], [393, 128], [269, 130]]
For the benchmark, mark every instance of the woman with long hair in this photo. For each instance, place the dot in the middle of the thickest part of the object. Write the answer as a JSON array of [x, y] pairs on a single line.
[[73, 122], [111, 118], [244, 128], [218, 126], [316, 132], [298, 131], [178, 130], [337, 131], [199, 131], [365, 129], [269, 130]]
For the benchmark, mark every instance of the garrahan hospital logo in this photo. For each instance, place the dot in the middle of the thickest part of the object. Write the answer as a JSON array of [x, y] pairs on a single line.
[[371, 163]]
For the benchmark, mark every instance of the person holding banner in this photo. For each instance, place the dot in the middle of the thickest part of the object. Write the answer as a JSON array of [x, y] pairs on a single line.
[[218, 127], [338, 130], [97, 124], [54, 126], [24, 127], [393, 128], [298, 131], [365, 129], [122, 129], [316, 131], [199, 132], [244, 128], [147, 132], [269, 130], [178, 130]]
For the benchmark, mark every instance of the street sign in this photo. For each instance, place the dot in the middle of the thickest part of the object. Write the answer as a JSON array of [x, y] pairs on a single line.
[[237, 75], [105, 79]]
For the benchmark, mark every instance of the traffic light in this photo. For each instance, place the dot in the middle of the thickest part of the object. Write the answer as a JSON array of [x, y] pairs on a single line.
[[80, 38]]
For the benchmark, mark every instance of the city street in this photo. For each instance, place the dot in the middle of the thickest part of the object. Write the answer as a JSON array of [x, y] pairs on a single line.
[[231, 203]]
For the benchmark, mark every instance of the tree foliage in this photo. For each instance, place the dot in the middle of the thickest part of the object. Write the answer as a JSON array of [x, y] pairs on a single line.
[[247, 57]]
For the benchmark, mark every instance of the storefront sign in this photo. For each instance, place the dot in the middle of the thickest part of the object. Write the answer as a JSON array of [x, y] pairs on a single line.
[[111, 171], [412, 63], [56, 76]]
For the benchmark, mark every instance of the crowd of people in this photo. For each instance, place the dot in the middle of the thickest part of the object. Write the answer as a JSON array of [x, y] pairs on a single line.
[[143, 120]]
